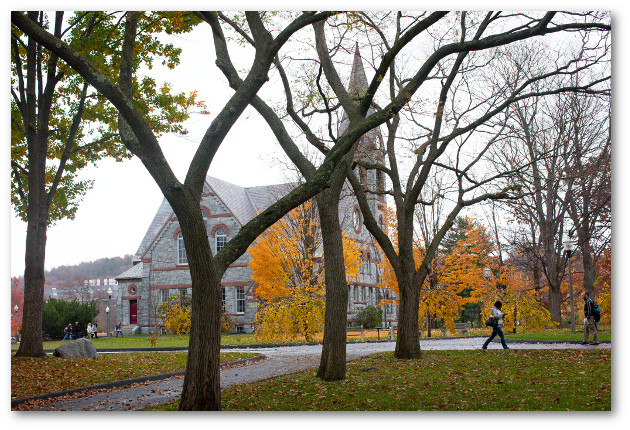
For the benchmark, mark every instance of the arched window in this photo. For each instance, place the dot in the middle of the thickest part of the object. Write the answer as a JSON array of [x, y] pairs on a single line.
[[181, 250], [380, 185], [220, 239]]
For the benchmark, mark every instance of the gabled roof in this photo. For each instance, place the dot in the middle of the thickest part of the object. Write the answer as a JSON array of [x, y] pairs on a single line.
[[243, 203], [162, 215]]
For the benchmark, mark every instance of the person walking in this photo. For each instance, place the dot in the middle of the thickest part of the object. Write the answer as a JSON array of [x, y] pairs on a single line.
[[89, 330], [497, 329], [95, 330], [77, 330], [590, 326], [119, 330], [67, 332]]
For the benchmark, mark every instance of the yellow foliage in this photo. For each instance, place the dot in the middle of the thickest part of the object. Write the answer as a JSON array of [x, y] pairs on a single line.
[[287, 265], [175, 315], [522, 308]]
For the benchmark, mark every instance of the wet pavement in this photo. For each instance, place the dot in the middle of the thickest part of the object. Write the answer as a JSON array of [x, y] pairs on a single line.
[[278, 361]]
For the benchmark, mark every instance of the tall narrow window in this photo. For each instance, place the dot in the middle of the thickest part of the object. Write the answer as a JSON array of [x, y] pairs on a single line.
[[164, 294], [380, 186], [181, 250], [220, 239], [240, 299], [223, 298]]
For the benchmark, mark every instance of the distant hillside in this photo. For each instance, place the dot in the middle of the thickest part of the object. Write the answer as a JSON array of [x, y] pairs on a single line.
[[101, 268]]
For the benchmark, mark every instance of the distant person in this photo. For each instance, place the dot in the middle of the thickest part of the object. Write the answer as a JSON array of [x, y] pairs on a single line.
[[89, 330], [95, 330], [590, 326], [77, 330], [497, 330], [67, 332], [119, 330]]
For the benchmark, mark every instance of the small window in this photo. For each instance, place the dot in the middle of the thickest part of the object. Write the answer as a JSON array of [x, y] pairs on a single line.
[[240, 299], [164, 296], [240, 329], [181, 250], [379, 181], [220, 239], [356, 219], [182, 292], [223, 301]]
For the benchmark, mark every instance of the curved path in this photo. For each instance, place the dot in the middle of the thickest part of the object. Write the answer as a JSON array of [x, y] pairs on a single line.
[[279, 361]]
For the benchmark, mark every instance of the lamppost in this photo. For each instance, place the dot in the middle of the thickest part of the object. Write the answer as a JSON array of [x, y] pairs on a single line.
[[486, 274], [15, 309], [568, 250], [109, 299], [107, 312]]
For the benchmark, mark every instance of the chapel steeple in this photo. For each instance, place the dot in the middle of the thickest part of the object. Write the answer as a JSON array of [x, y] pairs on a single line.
[[370, 148]]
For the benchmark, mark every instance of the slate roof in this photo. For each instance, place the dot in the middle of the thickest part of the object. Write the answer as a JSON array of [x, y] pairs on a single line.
[[135, 272], [244, 203]]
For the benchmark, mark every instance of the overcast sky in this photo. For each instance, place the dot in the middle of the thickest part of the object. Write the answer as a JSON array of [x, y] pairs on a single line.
[[116, 212], [114, 215]]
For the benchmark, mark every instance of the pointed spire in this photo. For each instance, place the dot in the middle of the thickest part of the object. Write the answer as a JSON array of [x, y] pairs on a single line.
[[358, 84]]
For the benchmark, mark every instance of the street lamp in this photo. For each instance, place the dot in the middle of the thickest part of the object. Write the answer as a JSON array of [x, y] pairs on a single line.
[[109, 294], [15, 309], [486, 274], [107, 312], [568, 250]]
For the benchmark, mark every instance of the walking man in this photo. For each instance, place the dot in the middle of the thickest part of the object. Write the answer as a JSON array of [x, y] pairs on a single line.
[[589, 320]]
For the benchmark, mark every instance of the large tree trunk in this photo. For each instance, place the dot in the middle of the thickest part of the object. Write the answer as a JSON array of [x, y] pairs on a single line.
[[37, 214], [31, 342], [332, 366], [408, 339], [202, 389], [555, 301]]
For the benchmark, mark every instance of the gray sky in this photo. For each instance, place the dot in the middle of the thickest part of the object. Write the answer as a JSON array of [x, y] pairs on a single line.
[[114, 215]]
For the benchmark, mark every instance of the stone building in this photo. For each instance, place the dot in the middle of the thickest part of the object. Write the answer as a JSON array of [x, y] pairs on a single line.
[[161, 270]]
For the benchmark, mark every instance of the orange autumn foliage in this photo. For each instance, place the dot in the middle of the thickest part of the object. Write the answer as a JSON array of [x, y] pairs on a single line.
[[287, 266]]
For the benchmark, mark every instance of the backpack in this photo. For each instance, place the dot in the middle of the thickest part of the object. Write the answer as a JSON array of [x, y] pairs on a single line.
[[596, 312]]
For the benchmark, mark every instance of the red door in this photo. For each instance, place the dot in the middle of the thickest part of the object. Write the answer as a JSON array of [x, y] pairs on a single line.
[[133, 312]]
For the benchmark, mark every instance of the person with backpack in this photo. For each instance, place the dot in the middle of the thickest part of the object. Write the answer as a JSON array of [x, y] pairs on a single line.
[[591, 315], [497, 328], [67, 332]]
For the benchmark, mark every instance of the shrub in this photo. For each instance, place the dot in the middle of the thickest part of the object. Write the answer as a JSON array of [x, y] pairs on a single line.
[[369, 316]]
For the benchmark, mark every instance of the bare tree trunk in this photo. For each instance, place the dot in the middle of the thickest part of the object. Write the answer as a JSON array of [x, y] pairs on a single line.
[[332, 366], [37, 214], [202, 390], [555, 301], [31, 342], [408, 340]]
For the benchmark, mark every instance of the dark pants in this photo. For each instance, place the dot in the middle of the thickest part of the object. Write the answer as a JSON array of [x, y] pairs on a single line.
[[496, 331]]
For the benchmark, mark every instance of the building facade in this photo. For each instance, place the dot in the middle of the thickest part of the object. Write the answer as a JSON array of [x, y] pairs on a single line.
[[161, 269]]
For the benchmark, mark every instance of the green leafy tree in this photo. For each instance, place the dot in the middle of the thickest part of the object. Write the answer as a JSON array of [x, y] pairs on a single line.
[[60, 125]]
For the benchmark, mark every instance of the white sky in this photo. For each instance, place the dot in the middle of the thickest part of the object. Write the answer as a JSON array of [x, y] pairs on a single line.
[[115, 213]]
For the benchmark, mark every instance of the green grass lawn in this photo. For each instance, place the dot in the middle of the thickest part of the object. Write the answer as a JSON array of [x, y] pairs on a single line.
[[169, 341], [493, 380], [34, 376]]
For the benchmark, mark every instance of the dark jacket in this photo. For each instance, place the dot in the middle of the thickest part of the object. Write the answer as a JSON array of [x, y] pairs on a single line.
[[589, 306]]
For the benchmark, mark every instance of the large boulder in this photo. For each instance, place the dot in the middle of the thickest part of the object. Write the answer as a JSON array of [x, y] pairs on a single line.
[[80, 348]]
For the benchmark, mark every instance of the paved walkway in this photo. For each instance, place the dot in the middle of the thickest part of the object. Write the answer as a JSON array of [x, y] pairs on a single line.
[[279, 361]]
